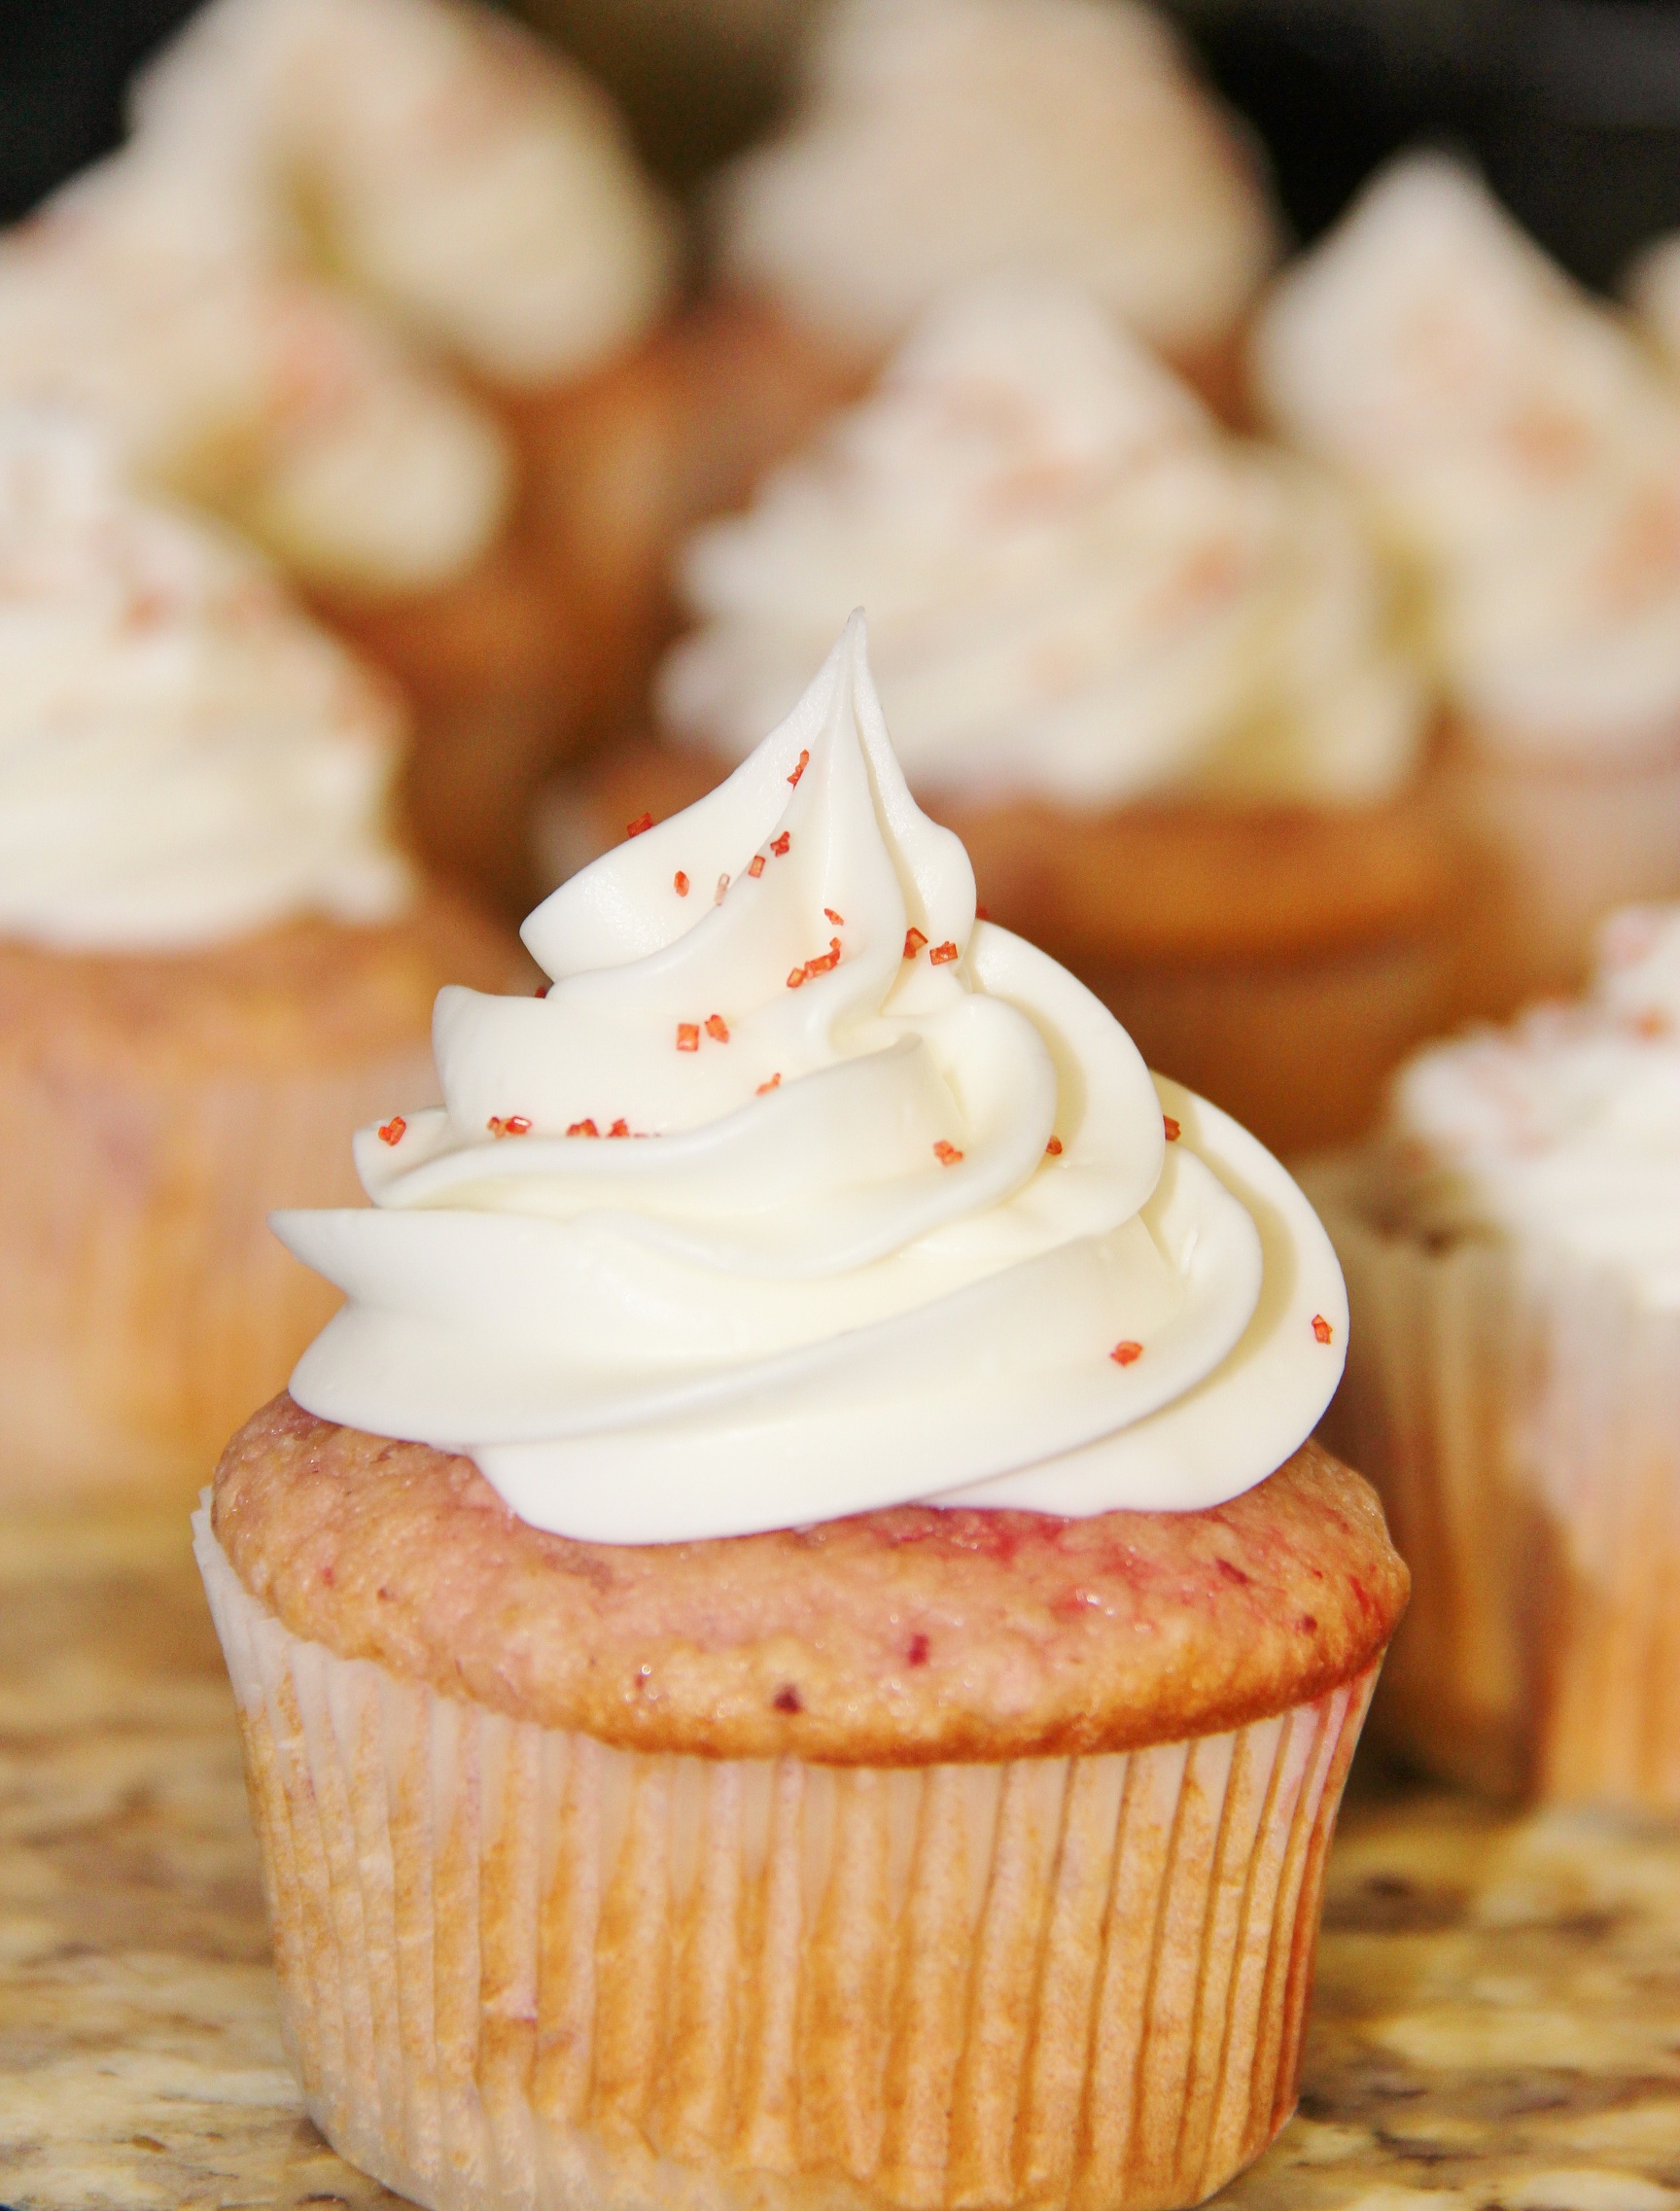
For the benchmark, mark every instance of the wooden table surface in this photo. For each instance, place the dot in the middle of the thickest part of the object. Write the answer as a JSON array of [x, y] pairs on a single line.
[[1497, 2019]]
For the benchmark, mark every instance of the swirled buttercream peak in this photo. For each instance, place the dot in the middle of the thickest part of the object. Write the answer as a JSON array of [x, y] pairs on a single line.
[[802, 1191]]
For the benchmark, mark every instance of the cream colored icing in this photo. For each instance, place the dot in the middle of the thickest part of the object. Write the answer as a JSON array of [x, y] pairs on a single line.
[[884, 1209], [320, 195], [1079, 585], [182, 758], [1520, 446], [943, 139], [1563, 1130]]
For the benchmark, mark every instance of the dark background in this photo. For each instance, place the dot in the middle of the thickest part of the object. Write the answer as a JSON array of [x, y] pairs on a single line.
[[1571, 106]]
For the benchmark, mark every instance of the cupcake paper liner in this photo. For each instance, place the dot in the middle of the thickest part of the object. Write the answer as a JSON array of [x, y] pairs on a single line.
[[520, 1968], [1521, 1417]]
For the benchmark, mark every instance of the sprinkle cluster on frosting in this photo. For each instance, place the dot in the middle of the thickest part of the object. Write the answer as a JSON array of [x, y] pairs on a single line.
[[1563, 1131], [182, 756], [942, 139], [894, 1211], [319, 198], [1520, 447], [1079, 583]]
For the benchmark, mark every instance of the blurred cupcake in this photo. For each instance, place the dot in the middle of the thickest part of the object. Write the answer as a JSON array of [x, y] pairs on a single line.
[[1512, 1245], [943, 140], [1522, 453], [210, 951], [1145, 670], [803, 1655], [371, 278]]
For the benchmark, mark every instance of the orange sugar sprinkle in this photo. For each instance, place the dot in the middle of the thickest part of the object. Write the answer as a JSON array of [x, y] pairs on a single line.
[[804, 763], [620, 1129], [394, 1130], [717, 1028], [1321, 1329], [757, 867], [687, 1035], [839, 919], [914, 940], [582, 1129], [1054, 1147], [636, 828], [1126, 1353], [980, 914], [1174, 1130], [946, 1154], [770, 1085], [516, 1125], [680, 884], [942, 954], [779, 845], [796, 976]]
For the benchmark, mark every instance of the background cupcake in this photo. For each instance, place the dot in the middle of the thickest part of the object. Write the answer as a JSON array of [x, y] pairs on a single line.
[[753, 1799], [210, 950], [1146, 668], [1522, 455], [371, 278], [1511, 1245]]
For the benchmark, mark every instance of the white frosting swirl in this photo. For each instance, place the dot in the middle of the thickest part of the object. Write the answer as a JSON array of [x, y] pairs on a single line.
[[1079, 584], [1563, 1131], [942, 139], [1521, 448], [899, 1198], [182, 756]]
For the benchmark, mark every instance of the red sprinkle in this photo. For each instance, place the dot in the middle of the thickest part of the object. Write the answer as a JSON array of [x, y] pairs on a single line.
[[680, 884], [839, 919], [394, 1130], [779, 845], [687, 1035], [582, 1129], [980, 914], [942, 954], [917, 1654], [786, 1699], [946, 1154], [543, 989], [620, 1129], [1124, 1355], [914, 940], [756, 867], [771, 1084], [636, 828], [1054, 1147], [1174, 1130], [1321, 1329], [717, 1028], [804, 763]]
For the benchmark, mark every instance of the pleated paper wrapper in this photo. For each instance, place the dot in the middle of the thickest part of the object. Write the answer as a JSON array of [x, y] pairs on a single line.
[[520, 1968], [1520, 1414]]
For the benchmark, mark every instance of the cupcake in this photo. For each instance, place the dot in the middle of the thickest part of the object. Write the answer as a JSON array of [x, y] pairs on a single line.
[[1521, 453], [942, 140], [1512, 1245], [766, 1673], [372, 278], [1143, 667], [210, 952]]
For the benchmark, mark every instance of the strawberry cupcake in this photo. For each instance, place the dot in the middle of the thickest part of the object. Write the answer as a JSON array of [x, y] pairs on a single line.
[[1521, 452], [789, 1637], [1148, 672], [211, 949]]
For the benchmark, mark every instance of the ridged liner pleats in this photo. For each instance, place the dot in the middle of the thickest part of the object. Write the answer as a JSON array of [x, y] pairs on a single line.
[[1520, 1416], [518, 1968]]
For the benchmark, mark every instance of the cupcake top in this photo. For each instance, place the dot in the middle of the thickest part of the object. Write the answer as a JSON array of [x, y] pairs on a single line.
[[1563, 1131], [896, 1212], [183, 758], [320, 196], [940, 139], [1520, 445], [1079, 585]]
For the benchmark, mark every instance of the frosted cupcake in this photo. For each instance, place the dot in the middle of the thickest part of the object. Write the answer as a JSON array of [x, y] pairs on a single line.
[[1513, 1253], [368, 279], [805, 1647], [1145, 669], [210, 952], [943, 140], [1523, 452]]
